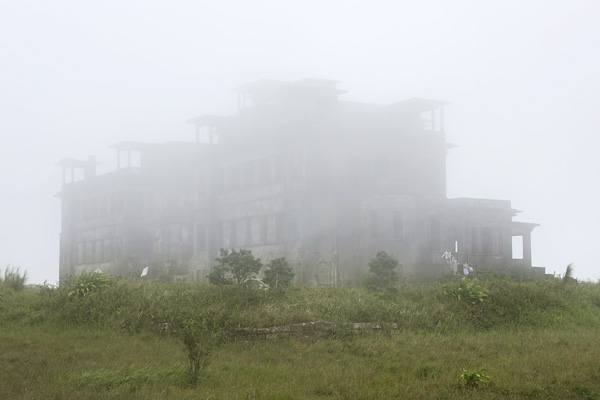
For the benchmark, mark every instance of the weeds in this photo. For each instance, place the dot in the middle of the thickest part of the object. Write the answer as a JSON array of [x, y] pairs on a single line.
[[511, 330], [89, 282], [13, 278], [466, 290], [425, 372], [568, 278], [199, 343], [132, 379], [135, 306], [475, 379]]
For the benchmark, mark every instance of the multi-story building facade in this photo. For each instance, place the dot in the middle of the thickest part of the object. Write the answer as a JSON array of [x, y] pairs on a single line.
[[295, 173]]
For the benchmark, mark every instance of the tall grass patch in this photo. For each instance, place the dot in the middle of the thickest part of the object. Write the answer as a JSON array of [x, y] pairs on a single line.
[[13, 278], [130, 340], [488, 303]]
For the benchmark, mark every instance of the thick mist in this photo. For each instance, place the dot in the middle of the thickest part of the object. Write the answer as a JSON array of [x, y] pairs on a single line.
[[520, 78]]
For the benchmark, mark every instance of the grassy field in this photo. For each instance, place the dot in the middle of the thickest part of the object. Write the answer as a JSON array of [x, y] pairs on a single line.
[[540, 343]]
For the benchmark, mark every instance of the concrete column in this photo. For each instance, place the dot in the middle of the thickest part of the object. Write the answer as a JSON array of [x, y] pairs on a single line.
[[527, 249]]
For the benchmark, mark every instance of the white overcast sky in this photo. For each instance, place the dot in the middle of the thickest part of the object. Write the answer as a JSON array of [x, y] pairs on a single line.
[[522, 77]]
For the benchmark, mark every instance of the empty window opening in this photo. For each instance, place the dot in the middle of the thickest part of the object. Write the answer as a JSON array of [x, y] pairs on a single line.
[[248, 175], [241, 233], [487, 241], [107, 250], [474, 240], [293, 225], [433, 120], [435, 232], [517, 247], [202, 184], [255, 230], [263, 229], [264, 172], [201, 237], [89, 248], [274, 228], [129, 158], [296, 164], [233, 178], [206, 134], [398, 225], [374, 224], [226, 234], [232, 233]]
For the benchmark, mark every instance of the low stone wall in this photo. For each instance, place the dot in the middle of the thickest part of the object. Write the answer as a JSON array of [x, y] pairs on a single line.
[[310, 330]]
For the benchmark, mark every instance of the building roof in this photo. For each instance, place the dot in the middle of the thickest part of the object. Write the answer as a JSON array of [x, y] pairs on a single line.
[[468, 202], [145, 146], [522, 227]]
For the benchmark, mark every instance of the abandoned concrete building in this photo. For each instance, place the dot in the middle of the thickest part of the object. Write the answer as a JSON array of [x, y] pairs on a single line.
[[295, 173]]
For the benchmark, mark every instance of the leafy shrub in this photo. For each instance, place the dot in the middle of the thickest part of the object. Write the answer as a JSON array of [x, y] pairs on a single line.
[[13, 278], [135, 306], [235, 267], [475, 379], [465, 290], [199, 344], [279, 273], [89, 282], [382, 271]]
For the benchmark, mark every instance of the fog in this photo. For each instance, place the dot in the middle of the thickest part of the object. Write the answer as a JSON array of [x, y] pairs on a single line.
[[521, 77]]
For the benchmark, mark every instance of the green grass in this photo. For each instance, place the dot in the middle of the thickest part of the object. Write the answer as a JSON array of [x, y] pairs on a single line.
[[137, 306], [58, 361], [49, 361], [535, 340]]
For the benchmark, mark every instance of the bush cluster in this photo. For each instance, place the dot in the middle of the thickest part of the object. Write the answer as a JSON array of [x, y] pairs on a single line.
[[240, 267], [136, 306]]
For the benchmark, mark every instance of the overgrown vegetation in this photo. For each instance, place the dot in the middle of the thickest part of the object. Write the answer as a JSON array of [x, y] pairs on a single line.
[[13, 278], [236, 267], [279, 274], [568, 278], [199, 342], [383, 275], [475, 379], [465, 290], [442, 327], [136, 306], [89, 282]]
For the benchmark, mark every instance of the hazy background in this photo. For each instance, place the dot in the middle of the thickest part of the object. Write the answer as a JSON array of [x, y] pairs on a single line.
[[522, 77]]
